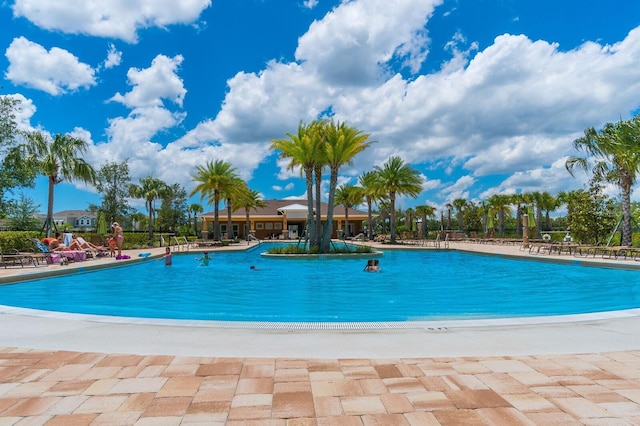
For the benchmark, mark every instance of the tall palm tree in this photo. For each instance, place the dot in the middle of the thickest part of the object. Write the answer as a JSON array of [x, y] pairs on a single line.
[[341, 144], [195, 208], [59, 159], [536, 198], [320, 138], [547, 203], [249, 199], [518, 200], [348, 196], [460, 204], [398, 178], [408, 219], [304, 150], [500, 203], [384, 210], [138, 220], [615, 154], [424, 212], [233, 193], [213, 179], [150, 189], [372, 192]]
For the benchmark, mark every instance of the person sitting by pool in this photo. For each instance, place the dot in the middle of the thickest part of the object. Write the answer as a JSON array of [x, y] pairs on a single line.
[[204, 260]]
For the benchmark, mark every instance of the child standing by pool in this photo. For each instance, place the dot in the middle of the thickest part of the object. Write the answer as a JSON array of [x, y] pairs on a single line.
[[112, 246]]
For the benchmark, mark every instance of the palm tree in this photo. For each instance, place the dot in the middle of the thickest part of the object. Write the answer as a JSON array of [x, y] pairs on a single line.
[[150, 189], [195, 208], [341, 144], [372, 192], [213, 180], [500, 203], [232, 193], [547, 203], [424, 212], [615, 153], [250, 199], [408, 220], [59, 159], [303, 149], [536, 198], [460, 204], [384, 210], [398, 178], [348, 196], [138, 220], [518, 200]]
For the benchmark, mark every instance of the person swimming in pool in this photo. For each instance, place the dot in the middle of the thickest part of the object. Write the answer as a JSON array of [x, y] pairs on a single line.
[[167, 257], [373, 265], [204, 260]]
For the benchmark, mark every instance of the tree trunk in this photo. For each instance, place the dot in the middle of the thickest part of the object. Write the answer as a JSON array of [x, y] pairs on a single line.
[[150, 229], [346, 222], [392, 216], [247, 224], [216, 215], [49, 221], [318, 216], [310, 231], [229, 222], [625, 239], [328, 226], [370, 217]]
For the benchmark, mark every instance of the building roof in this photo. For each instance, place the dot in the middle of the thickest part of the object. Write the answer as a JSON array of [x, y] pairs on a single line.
[[70, 213], [275, 208]]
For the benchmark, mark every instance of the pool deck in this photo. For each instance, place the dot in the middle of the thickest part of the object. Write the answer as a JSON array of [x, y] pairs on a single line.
[[76, 369]]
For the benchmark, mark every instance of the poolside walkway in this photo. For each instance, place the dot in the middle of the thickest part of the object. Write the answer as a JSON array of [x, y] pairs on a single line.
[[76, 370]]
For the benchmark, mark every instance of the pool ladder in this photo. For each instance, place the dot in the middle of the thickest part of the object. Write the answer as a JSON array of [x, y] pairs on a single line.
[[181, 244]]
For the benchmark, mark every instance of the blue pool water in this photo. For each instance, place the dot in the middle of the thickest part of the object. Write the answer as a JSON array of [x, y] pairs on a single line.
[[413, 285]]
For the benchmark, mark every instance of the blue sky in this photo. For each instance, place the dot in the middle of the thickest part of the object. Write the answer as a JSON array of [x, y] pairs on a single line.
[[481, 96]]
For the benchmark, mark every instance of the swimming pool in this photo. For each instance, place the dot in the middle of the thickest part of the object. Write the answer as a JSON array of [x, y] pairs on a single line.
[[413, 285]]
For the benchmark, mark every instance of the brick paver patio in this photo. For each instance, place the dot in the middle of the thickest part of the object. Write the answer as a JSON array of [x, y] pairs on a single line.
[[72, 388], [39, 387]]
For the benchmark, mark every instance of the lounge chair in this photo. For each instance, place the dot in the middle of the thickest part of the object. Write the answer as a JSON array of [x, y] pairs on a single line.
[[14, 258], [56, 256]]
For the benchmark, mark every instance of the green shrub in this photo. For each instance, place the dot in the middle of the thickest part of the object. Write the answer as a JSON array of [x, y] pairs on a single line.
[[300, 249]]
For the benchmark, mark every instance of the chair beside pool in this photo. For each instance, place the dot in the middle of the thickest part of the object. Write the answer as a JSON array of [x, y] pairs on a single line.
[[57, 256], [15, 258]]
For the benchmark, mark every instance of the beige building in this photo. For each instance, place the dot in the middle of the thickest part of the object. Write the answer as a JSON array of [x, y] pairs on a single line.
[[281, 219]]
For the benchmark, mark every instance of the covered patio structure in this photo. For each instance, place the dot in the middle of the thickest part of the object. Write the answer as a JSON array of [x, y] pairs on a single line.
[[281, 219]]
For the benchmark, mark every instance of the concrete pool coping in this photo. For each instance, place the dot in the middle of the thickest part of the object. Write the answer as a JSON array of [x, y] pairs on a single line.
[[608, 331]]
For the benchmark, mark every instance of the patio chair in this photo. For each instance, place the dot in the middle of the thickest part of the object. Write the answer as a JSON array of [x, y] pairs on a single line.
[[14, 258]]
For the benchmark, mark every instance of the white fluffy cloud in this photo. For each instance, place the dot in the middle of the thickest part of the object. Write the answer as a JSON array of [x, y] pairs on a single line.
[[55, 71], [117, 19], [114, 57], [511, 109]]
